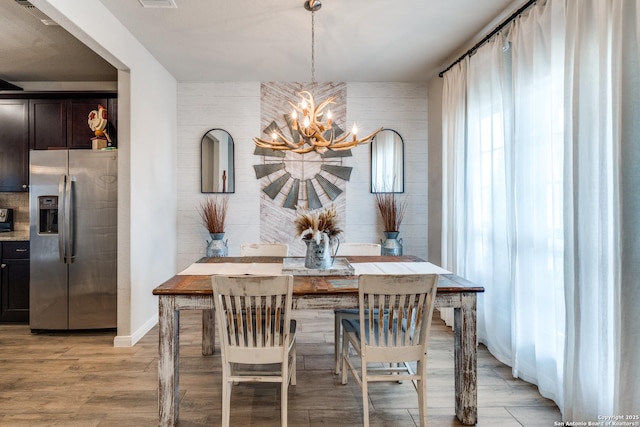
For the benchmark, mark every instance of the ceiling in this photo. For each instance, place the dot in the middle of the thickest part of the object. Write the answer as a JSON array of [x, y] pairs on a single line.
[[260, 40]]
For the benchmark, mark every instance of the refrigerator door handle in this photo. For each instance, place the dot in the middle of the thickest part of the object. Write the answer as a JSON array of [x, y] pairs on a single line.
[[69, 221], [62, 217]]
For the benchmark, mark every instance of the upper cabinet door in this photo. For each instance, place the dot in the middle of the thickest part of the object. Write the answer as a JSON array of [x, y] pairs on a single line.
[[47, 123], [14, 145]]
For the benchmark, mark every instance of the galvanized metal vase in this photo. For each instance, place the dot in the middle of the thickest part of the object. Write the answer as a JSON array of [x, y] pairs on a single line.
[[216, 247], [391, 245], [319, 254]]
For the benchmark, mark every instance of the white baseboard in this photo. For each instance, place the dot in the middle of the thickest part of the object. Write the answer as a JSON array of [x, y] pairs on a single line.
[[131, 340]]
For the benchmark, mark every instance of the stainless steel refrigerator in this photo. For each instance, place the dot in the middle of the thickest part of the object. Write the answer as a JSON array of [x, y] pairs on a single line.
[[73, 213]]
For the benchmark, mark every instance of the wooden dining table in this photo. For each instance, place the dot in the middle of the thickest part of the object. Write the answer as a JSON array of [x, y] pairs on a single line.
[[194, 292]]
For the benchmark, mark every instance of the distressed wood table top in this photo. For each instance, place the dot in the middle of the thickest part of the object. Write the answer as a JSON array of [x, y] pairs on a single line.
[[307, 285]]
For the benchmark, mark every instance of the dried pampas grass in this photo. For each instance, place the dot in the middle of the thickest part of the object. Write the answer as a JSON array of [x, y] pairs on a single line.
[[311, 224], [391, 209], [213, 212]]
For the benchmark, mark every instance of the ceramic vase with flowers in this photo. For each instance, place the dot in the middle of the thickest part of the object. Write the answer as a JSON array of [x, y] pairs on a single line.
[[213, 212], [319, 230], [391, 210]]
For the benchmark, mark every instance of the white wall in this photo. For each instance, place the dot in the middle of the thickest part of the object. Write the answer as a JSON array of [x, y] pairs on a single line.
[[235, 107], [147, 165]]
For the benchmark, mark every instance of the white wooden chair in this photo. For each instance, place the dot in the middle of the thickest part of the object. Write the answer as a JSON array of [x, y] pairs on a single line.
[[392, 331], [264, 249], [257, 334], [349, 249], [362, 249]]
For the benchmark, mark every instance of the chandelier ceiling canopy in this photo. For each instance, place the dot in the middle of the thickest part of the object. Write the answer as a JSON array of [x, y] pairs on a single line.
[[310, 126]]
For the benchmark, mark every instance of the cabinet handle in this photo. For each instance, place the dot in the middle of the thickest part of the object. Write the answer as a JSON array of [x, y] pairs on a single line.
[[3, 265], [22, 250]]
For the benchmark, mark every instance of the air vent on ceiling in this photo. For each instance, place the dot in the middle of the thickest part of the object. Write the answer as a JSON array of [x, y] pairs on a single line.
[[168, 4], [34, 11]]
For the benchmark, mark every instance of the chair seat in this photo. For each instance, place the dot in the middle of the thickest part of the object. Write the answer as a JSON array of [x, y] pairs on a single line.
[[352, 326], [346, 310], [340, 314]]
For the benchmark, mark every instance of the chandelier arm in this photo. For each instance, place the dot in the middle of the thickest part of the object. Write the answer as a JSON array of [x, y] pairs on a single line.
[[353, 143], [325, 103], [276, 145], [296, 107], [307, 132], [319, 141], [270, 144], [304, 150], [342, 138], [288, 141], [342, 148], [265, 144]]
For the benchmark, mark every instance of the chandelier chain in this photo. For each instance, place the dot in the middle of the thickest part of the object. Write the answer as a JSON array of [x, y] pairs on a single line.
[[313, 44]]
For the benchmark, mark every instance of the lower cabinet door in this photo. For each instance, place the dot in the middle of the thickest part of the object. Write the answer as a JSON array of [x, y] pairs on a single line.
[[14, 297]]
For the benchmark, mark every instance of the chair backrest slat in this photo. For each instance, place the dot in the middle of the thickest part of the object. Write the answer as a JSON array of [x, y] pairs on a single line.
[[397, 309], [255, 309]]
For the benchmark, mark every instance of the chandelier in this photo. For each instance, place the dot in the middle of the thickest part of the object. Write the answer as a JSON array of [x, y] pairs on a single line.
[[311, 129]]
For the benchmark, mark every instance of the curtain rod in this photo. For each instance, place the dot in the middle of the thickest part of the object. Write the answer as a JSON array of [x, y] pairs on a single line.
[[488, 36]]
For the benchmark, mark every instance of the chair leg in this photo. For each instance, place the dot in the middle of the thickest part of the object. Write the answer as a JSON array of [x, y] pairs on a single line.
[[345, 352], [365, 397], [422, 394], [337, 342], [293, 366], [283, 402], [226, 402]]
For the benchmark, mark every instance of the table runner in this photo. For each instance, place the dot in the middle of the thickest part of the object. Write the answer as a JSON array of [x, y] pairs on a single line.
[[233, 268]]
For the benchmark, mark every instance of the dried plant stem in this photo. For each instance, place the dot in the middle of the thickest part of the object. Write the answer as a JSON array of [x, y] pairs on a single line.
[[213, 212], [391, 209]]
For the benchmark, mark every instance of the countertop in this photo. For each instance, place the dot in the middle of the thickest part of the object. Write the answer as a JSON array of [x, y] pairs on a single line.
[[14, 236]]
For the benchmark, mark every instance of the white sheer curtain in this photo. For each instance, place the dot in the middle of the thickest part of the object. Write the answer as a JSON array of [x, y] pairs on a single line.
[[534, 199], [454, 119], [602, 224], [536, 173]]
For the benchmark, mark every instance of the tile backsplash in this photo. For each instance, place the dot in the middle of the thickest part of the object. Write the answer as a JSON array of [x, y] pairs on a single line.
[[19, 202]]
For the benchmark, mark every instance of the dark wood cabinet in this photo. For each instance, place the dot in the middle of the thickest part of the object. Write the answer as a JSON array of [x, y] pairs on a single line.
[[14, 145], [47, 123], [60, 120], [14, 282]]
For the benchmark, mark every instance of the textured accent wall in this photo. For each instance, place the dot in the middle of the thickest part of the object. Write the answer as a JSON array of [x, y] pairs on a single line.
[[236, 107]]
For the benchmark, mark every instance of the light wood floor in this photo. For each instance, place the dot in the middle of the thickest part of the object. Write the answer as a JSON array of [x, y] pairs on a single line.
[[61, 379]]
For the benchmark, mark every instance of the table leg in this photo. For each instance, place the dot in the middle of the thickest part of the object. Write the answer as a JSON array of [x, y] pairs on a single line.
[[466, 360], [208, 332], [168, 355]]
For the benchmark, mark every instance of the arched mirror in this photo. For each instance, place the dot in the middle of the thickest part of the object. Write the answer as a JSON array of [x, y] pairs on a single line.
[[218, 172], [387, 162]]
